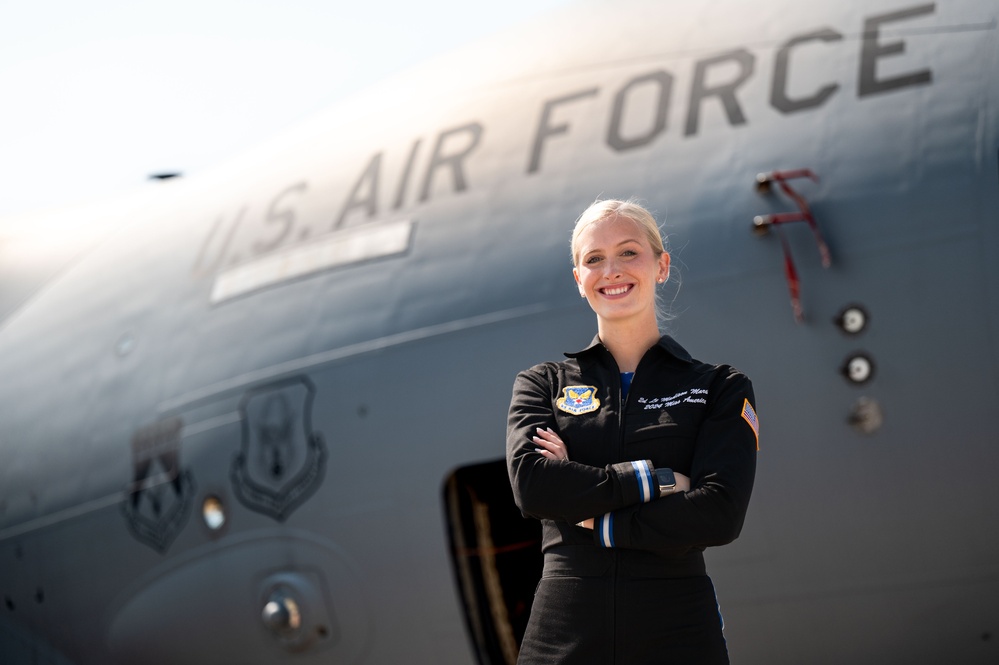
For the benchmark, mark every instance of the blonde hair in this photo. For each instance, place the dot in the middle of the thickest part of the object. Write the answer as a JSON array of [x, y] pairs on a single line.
[[611, 208]]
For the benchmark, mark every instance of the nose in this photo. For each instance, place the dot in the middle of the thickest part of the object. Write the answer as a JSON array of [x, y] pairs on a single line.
[[611, 269]]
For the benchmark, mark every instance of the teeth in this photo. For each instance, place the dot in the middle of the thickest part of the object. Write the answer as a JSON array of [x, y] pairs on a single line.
[[616, 292]]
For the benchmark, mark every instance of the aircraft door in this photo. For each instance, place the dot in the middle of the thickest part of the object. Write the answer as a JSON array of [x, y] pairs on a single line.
[[496, 554]]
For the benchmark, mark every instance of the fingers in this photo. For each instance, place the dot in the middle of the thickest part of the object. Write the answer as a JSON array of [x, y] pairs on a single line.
[[550, 444], [549, 434], [682, 482]]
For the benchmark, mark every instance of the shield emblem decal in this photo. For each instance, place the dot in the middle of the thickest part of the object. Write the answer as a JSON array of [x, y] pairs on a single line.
[[158, 501], [282, 461]]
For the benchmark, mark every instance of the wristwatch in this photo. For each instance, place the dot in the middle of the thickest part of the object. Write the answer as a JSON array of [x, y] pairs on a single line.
[[667, 482]]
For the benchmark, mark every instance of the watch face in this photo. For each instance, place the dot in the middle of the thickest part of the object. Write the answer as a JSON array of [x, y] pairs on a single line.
[[666, 477]]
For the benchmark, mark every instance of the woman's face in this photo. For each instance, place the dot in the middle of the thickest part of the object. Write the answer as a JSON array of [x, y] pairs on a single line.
[[617, 269]]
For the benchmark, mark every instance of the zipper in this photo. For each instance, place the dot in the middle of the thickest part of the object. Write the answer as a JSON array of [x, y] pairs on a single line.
[[622, 404]]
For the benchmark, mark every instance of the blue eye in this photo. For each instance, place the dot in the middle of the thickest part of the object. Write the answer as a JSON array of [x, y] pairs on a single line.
[[592, 259]]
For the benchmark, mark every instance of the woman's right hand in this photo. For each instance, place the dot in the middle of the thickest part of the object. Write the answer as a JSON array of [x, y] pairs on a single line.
[[551, 445], [682, 483]]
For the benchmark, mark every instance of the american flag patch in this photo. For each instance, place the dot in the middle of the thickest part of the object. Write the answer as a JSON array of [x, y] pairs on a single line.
[[749, 415]]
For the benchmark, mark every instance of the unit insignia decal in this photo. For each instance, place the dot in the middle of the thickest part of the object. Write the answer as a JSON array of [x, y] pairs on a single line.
[[282, 461], [578, 400], [158, 501]]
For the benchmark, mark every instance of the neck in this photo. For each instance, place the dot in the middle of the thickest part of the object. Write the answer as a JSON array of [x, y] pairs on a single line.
[[628, 342]]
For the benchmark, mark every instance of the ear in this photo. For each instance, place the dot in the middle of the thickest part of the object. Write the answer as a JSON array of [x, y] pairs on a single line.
[[575, 274], [663, 266]]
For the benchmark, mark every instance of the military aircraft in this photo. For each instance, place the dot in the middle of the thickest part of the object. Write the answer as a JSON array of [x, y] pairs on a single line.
[[257, 416]]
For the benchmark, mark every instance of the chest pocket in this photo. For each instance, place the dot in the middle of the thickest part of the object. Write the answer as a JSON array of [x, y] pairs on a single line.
[[656, 423], [666, 436]]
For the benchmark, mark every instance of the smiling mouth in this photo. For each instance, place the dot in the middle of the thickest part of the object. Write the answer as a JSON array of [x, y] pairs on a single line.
[[616, 290]]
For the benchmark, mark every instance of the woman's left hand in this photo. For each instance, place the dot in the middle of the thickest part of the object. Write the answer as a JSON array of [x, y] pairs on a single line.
[[682, 485], [551, 445]]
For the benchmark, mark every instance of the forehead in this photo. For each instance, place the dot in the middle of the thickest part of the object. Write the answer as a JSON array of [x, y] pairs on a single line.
[[608, 233]]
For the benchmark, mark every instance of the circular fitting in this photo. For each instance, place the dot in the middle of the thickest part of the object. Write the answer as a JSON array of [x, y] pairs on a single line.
[[294, 610], [763, 183], [124, 345], [866, 416], [281, 614], [213, 512], [761, 224], [852, 319], [858, 368]]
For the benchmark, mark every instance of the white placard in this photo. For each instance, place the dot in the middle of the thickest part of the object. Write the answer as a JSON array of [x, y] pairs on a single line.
[[334, 250]]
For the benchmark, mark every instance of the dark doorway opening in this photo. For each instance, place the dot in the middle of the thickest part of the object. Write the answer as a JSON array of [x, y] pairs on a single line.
[[496, 554]]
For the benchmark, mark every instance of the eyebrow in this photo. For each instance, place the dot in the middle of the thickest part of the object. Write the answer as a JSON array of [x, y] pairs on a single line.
[[600, 249]]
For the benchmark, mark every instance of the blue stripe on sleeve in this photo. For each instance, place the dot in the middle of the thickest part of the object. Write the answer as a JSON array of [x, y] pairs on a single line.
[[644, 476], [605, 526]]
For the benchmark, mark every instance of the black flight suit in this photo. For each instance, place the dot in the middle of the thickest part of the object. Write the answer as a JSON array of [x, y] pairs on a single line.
[[633, 590]]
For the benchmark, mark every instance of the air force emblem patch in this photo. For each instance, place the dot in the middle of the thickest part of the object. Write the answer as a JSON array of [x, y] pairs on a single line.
[[160, 496], [283, 459], [578, 400]]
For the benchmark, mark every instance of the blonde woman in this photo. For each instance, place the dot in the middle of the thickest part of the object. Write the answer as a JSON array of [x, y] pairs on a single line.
[[635, 457]]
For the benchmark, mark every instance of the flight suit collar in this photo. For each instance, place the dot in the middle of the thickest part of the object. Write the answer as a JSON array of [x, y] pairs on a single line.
[[666, 343]]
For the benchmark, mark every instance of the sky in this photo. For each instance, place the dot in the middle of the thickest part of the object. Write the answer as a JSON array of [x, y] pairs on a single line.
[[96, 96]]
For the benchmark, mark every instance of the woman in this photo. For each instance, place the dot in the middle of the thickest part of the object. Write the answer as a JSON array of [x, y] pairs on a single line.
[[635, 457]]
